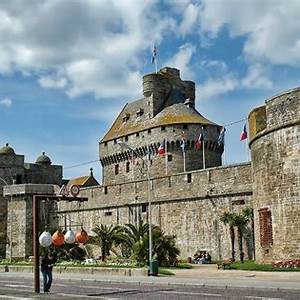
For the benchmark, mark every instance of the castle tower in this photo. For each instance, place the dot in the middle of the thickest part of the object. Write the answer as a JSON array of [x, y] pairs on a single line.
[[275, 153], [165, 113]]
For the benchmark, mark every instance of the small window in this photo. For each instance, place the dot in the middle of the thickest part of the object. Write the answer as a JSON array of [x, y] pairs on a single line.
[[127, 167], [126, 118], [185, 126], [163, 128], [18, 179], [139, 113], [105, 190], [126, 138], [108, 213], [105, 144], [144, 207], [149, 131], [189, 177], [170, 157], [116, 169], [137, 134]]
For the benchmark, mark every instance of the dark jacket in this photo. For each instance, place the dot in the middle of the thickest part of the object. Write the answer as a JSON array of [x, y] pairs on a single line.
[[47, 264]]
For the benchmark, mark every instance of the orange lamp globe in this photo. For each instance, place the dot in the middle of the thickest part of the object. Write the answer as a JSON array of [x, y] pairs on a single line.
[[82, 236], [58, 238]]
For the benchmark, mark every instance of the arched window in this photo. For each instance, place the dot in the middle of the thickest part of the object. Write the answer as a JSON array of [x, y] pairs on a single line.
[[116, 169], [127, 167]]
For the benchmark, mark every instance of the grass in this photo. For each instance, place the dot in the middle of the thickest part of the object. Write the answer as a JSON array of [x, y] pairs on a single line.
[[250, 265]]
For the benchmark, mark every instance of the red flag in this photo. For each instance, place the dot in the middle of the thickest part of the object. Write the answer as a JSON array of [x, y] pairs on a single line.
[[162, 148], [198, 143], [244, 133]]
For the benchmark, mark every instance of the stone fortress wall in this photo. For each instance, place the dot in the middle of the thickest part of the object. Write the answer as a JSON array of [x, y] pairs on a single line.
[[188, 205], [275, 153]]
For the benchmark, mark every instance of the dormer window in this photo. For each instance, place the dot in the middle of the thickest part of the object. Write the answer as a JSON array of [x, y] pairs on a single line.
[[139, 113], [189, 103], [126, 118]]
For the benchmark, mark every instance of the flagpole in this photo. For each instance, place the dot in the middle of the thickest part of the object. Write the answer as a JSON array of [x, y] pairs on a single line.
[[132, 163], [203, 154], [183, 153], [166, 156]]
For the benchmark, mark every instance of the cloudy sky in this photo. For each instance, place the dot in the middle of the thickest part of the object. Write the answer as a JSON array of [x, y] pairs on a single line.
[[68, 67]]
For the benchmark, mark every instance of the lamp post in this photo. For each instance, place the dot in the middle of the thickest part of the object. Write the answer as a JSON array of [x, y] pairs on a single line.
[[124, 145], [10, 223]]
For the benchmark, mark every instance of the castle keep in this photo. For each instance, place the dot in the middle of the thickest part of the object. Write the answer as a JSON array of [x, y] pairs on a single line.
[[189, 202]]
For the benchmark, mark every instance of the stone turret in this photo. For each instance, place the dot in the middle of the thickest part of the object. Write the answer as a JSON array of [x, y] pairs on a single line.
[[274, 143]]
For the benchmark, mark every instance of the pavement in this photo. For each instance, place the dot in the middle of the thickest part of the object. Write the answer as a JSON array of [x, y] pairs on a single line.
[[199, 275]]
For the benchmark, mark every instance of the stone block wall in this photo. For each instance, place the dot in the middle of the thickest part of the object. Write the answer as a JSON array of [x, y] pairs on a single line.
[[275, 153], [188, 205]]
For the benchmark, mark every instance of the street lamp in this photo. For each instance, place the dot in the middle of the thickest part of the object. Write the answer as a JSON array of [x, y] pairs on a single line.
[[10, 223], [124, 145]]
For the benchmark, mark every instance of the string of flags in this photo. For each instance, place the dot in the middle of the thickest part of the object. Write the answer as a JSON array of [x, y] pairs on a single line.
[[198, 145]]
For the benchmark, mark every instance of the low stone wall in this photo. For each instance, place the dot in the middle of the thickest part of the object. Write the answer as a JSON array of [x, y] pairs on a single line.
[[81, 270]]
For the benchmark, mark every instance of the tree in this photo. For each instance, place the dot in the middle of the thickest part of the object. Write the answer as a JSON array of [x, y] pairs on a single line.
[[228, 218], [106, 237], [136, 239], [240, 221]]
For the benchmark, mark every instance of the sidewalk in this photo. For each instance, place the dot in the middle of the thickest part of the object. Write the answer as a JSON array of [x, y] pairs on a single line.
[[200, 275]]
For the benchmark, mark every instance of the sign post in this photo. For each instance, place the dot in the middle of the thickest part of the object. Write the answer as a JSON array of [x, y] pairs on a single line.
[[63, 195]]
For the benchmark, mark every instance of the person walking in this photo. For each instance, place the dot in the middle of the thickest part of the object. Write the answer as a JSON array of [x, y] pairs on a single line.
[[46, 268]]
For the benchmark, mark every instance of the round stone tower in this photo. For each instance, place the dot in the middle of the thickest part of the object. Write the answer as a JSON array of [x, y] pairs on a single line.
[[275, 152], [165, 116]]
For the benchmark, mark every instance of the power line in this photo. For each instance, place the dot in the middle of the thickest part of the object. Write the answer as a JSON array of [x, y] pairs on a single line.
[[239, 121], [81, 164]]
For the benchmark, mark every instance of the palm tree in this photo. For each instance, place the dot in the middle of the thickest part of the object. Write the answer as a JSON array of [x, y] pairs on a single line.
[[229, 218], [106, 237], [135, 238], [240, 221], [166, 249]]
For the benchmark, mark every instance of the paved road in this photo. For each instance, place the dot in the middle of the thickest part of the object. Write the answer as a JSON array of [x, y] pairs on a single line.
[[18, 287]]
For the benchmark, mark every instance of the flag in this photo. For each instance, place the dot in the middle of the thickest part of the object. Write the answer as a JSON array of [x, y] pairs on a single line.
[[183, 142], [149, 152], [244, 133], [153, 54], [162, 148], [221, 136], [198, 143]]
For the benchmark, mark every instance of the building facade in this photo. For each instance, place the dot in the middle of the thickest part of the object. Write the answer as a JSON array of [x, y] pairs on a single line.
[[189, 190]]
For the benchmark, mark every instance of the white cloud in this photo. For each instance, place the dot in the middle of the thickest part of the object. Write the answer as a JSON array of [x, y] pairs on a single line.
[[50, 82], [271, 27], [215, 87], [182, 61], [92, 46], [257, 78], [189, 19], [6, 102]]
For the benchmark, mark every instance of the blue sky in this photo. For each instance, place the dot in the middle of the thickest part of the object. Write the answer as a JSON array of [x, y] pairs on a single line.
[[68, 67]]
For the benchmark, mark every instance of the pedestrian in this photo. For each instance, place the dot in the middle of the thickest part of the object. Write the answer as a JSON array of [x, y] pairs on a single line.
[[46, 268]]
